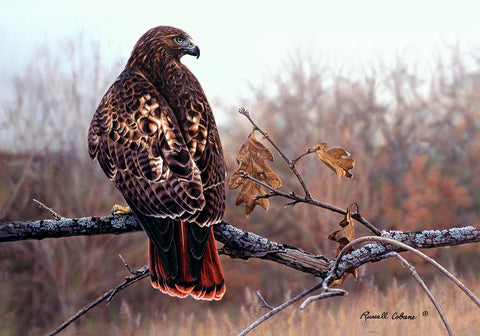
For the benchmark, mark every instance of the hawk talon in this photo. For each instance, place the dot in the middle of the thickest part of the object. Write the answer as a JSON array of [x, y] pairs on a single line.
[[120, 210]]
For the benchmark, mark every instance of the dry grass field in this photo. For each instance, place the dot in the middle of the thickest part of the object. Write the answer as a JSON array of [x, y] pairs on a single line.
[[335, 316]]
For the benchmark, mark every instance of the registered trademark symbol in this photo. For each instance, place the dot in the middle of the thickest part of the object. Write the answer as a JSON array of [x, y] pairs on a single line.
[[425, 313]]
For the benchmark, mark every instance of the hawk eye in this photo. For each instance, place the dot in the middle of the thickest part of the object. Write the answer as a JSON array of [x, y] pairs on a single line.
[[179, 40]]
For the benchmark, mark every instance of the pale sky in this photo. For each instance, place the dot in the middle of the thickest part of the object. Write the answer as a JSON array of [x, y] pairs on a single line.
[[241, 41]]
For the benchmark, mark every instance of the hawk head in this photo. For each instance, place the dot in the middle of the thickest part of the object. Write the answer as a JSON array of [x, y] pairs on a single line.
[[163, 44]]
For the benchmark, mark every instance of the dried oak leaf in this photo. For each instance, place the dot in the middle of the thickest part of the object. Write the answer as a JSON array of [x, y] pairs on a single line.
[[344, 236], [252, 158], [336, 159]]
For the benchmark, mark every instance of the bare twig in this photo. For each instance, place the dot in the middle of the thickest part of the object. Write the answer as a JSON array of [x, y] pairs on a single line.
[[308, 152], [278, 309], [243, 111], [417, 277], [264, 303], [54, 214], [140, 274], [326, 293], [127, 266], [300, 199]]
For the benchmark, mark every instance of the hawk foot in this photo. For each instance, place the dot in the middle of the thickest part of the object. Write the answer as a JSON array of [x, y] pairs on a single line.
[[120, 210]]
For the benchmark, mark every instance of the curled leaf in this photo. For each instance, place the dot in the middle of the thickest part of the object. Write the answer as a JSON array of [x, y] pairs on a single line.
[[336, 159], [252, 158], [344, 236]]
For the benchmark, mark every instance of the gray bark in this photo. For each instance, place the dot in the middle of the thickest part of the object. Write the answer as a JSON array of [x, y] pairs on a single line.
[[243, 245]]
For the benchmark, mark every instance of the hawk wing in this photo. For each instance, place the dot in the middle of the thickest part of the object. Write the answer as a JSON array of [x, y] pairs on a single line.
[[139, 145]]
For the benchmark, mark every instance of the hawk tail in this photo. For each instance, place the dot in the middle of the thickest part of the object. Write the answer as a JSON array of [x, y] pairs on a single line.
[[207, 283]]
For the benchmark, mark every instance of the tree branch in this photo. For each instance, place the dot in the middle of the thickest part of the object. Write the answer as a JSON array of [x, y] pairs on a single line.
[[416, 239], [237, 243], [244, 245]]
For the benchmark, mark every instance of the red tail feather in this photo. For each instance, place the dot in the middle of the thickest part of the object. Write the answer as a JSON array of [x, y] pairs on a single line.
[[210, 284]]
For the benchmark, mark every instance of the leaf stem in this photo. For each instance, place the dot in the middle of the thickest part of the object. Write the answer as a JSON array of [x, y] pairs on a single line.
[[308, 152]]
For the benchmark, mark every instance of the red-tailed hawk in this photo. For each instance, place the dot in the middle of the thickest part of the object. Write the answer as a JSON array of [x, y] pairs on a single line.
[[155, 136]]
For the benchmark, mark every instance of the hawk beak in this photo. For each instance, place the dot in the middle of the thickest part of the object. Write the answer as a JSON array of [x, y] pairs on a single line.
[[194, 51]]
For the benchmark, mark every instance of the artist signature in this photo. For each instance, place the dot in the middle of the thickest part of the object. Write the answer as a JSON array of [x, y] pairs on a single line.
[[399, 316]]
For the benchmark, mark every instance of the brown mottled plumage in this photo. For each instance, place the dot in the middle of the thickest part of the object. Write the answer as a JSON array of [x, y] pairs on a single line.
[[155, 136]]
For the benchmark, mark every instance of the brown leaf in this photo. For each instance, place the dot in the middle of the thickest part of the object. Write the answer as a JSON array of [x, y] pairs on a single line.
[[252, 158], [336, 159], [344, 236]]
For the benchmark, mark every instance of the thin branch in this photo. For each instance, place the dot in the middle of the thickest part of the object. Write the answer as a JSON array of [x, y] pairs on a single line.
[[127, 266], [136, 276], [54, 214], [278, 309], [243, 111], [327, 293], [140, 274], [308, 152], [417, 277], [264, 303], [312, 201]]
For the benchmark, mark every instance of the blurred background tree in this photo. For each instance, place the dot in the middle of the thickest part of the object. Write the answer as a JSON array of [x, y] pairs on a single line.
[[414, 134]]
